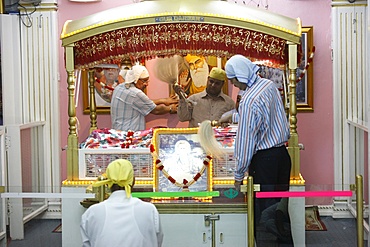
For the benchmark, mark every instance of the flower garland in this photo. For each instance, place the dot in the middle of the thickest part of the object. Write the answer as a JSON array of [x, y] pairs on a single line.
[[309, 60], [185, 183]]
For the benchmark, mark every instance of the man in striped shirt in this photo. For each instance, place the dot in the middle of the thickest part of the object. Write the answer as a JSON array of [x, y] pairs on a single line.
[[263, 131], [130, 104]]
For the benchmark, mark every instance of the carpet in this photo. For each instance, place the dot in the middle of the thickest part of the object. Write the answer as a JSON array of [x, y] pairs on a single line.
[[313, 221], [58, 229]]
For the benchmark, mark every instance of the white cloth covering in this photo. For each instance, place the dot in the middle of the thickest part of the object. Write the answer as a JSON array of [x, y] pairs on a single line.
[[121, 221]]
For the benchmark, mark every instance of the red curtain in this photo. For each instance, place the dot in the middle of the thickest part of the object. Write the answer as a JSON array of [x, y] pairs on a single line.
[[159, 40]]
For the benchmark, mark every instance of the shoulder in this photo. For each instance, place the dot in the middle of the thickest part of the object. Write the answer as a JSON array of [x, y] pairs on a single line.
[[142, 204], [198, 95], [141, 97], [121, 89], [226, 97], [94, 208], [139, 93], [260, 88], [269, 89], [132, 91]]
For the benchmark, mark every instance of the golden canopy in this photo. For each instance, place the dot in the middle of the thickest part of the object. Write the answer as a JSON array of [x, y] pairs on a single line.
[[166, 27]]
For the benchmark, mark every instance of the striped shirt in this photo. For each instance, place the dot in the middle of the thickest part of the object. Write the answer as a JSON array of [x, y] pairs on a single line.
[[263, 123], [129, 107]]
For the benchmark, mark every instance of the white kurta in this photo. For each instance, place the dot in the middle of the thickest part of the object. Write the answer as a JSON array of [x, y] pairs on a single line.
[[121, 221]]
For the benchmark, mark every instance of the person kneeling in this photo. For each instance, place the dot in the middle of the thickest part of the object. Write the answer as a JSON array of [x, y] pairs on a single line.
[[121, 220]]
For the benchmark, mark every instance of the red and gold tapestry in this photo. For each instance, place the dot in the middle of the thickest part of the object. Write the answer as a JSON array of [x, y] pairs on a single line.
[[159, 40]]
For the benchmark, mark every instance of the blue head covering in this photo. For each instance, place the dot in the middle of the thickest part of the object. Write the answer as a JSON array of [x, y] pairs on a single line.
[[243, 69]]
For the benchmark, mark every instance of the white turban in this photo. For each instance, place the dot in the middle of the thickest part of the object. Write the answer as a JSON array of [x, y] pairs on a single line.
[[139, 72], [130, 77], [243, 69]]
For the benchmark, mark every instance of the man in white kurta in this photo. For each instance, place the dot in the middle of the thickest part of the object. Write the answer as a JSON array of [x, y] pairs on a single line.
[[121, 220]]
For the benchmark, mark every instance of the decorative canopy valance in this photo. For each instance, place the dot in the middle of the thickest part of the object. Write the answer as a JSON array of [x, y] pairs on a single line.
[[162, 28], [152, 41]]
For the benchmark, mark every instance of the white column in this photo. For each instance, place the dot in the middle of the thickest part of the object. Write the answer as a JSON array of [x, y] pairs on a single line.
[[350, 101], [3, 205], [296, 210], [15, 184], [72, 212], [367, 79]]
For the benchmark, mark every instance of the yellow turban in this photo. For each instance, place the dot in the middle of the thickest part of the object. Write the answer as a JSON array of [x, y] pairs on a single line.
[[191, 58], [119, 172], [218, 74]]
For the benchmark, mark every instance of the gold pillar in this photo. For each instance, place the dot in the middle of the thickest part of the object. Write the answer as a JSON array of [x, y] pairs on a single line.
[[72, 150], [360, 210], [92, 103], [293, 147], [250, 211], [2, 8]]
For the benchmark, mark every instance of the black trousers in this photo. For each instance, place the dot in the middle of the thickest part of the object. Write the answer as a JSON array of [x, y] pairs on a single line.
[[271, 169]]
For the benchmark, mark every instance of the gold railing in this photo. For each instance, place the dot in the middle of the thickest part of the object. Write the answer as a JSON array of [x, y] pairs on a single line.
[[360, 210]]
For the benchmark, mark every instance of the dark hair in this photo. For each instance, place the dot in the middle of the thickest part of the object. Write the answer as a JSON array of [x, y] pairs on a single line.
[[116, 187]]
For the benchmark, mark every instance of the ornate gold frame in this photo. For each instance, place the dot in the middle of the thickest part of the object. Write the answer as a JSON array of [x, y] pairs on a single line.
[[173, 135], [85, 96], [307, 44]]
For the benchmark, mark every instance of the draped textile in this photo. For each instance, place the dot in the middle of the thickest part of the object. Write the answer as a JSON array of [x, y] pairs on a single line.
[[167, 39]]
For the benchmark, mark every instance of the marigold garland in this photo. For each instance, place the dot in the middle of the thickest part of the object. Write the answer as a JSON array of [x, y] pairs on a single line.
[[185, 184]]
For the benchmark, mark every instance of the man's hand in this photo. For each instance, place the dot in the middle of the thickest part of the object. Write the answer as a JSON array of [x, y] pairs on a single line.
[[237, 184], [180, 92], [173, 109], [226, 118], [171, 100]]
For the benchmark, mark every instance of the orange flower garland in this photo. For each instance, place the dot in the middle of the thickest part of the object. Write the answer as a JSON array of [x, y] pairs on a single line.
[[185, 184], [309, 60]]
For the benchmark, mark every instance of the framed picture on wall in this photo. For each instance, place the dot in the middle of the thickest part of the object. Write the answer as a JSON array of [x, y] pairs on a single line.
[[190, 71], [182, 157], [106, 77], [304, 87]]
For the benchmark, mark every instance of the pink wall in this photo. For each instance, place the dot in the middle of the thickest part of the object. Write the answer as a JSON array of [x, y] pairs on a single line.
[[315, 129]]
